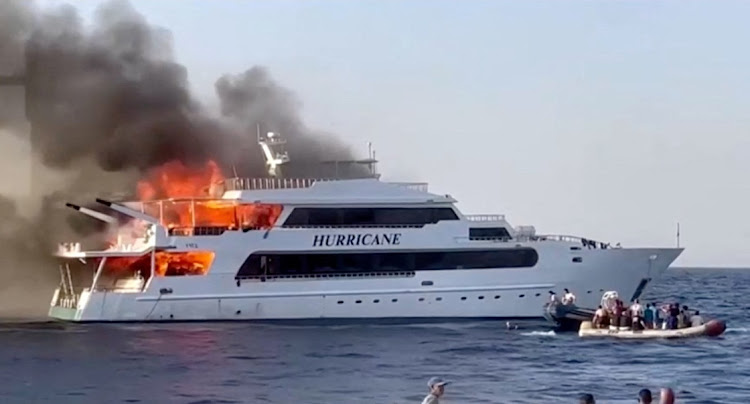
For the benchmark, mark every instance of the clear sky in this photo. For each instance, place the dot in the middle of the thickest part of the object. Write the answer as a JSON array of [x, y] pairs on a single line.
[[612, 120]]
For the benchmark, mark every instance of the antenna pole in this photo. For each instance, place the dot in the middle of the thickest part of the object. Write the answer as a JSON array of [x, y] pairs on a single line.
[[678, 234]]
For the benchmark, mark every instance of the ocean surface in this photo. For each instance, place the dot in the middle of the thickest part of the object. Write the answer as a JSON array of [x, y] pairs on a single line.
[[383, 364]]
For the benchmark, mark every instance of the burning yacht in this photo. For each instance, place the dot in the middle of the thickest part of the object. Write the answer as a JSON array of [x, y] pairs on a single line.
[[298, 249]]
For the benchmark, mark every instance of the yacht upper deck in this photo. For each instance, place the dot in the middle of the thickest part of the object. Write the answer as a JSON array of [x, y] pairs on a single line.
[[329, 191], [271, 183]]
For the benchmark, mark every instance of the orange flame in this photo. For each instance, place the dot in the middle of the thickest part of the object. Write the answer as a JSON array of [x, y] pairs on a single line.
[[176, 180], [166, 263]]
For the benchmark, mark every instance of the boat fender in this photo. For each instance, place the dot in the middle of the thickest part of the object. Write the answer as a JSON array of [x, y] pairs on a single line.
[[714, 328]]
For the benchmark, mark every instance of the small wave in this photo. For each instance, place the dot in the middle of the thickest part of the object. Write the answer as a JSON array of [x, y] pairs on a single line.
[[550, 333], [741, 329]]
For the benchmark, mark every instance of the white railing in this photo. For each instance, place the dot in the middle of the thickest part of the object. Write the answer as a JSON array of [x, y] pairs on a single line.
[[485, 218], [570, 239], [414, 186], [255, 184], [251, 184]]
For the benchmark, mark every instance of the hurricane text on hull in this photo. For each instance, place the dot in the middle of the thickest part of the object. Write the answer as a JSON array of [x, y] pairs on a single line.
[[296, 249]]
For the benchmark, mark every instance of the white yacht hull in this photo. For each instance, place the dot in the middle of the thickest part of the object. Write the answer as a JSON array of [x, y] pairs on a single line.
[[434, 295]]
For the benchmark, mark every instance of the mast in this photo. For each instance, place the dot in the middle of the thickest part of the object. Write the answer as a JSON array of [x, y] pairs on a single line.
[[678, 234], [272, 146]]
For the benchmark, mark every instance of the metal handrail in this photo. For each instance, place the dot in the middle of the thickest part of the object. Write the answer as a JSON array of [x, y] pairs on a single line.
[[485, 218], [257, 184]]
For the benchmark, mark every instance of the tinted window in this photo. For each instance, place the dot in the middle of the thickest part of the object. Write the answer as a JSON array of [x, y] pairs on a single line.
[[310, 263], [368, 216], [488, 232], [355, 262]]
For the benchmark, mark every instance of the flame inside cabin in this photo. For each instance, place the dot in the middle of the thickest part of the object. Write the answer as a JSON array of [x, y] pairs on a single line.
[[165, 263], [169, 192], [176, 185]]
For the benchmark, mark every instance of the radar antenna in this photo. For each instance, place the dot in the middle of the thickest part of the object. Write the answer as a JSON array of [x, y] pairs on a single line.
[[272, 146]]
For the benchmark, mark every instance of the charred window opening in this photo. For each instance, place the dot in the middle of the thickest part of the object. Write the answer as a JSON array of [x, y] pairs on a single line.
[[312, 263], [363, 217], [126, 272], [211, 217]]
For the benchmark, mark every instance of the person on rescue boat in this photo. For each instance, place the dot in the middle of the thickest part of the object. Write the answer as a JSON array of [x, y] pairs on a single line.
[[616, 314], [568, 298], [599, 317], [552, 297], [636, 311]]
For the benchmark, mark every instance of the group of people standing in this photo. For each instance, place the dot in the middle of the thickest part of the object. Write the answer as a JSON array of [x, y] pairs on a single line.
[[637, 317]]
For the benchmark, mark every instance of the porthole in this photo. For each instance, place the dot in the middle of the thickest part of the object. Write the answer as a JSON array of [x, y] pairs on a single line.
[[438, 298], [521, 295], [463, 298], [340, 302], [394, 300], [421, 299], [376, 301], [538, 294], [497, 296], [481, 297], [577, 259], [358, 301]]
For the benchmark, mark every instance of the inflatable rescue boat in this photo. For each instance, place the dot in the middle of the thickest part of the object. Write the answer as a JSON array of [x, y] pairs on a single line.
[[713, 328]]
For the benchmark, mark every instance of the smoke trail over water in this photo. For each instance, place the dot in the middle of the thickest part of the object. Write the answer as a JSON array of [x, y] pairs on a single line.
[[107, 104]]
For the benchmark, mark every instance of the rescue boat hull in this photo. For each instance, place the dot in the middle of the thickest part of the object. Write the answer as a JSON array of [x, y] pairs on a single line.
[[713, 328]]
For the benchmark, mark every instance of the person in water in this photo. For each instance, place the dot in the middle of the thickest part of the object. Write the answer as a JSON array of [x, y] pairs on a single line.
[[437, 389], [644, 396], [586, 398]]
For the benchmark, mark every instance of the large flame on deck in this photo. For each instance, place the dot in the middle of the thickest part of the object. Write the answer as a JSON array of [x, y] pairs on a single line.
[[165, 263], [176, 180], [178, 196]]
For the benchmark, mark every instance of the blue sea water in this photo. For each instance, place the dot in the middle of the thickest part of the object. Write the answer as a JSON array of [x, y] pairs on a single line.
[[251, 363]]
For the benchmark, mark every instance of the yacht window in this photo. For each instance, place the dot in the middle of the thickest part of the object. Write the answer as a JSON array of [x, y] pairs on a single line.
[[357, 263], [488, 232], [368, 216]]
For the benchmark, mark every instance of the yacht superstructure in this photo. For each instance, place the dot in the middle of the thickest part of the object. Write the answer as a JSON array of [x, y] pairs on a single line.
[[300, 249]]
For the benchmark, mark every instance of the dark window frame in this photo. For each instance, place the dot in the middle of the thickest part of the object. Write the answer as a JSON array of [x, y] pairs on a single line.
[[369, 216], [285, 263], [480, 233]]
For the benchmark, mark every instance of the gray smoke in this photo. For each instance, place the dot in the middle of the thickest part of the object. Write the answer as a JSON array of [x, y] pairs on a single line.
[[106, 105]]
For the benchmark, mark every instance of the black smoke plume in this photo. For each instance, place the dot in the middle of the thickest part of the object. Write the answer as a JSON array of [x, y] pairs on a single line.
[[104, 106]]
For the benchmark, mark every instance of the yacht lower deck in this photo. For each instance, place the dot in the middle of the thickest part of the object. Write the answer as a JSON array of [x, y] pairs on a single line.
[[415, 296]]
